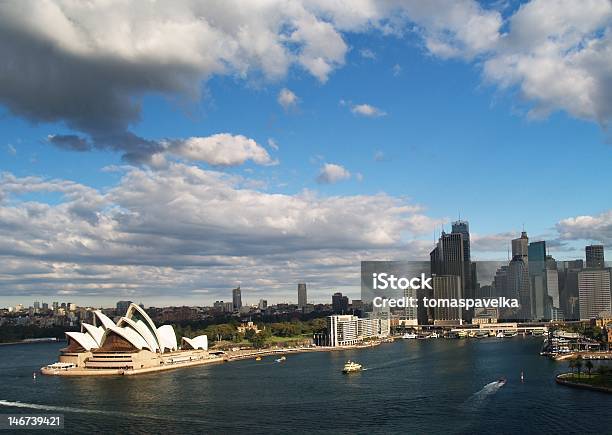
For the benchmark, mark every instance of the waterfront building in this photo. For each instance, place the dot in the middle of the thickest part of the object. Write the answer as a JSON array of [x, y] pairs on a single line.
[[594, 292], [134, 342], [594, 256], [302, 297], [237, 298], [340, 303], [346, 329], [447, 287]]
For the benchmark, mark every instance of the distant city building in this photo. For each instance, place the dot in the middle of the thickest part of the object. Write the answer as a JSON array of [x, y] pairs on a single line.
[[37, 305], [122, 307], [237, 298], [518, 276], [228, 307], [346, 330], [594, 292], [568, 288], [219, 306], [45, 306], [520, 246], [447, 287], [302, 296], [340, 304], [263, 304], [594, 256]]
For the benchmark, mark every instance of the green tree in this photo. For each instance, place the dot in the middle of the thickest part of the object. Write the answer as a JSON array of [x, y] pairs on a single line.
[[578, 364]]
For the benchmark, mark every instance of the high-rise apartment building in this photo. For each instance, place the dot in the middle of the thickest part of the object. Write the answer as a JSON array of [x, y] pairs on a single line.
[[302, 295], [344, 330]]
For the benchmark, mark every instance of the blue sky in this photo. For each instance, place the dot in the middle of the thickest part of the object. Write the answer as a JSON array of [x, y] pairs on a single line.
[[455, 132]]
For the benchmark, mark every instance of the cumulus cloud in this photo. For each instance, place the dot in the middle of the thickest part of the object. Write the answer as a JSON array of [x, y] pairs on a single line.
[[182, 228], [367, 110], [597, 228], [366, 53], [331, 173], [61, 64], [221, 149], [557, 53], [287, 99]]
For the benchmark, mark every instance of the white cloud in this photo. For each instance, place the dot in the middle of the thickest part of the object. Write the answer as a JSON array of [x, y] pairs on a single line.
[[331, 173], [557, 53], [182, 228], [366, 53], [11, 150], [396, 70], [273, 144], [367, 110], [596, 228], [287, 98], [221, 149]]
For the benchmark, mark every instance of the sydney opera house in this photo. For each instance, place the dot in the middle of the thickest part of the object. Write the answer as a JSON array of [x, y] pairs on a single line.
[[133, 344]]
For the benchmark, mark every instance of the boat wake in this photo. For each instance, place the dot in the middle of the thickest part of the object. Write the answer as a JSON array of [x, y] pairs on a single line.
[[69, 409], [479, 397]]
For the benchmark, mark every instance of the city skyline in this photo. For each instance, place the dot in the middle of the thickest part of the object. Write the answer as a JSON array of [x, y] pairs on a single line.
[[268, 145]]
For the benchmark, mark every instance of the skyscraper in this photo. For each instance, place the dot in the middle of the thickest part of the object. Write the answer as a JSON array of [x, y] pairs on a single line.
[[237, 298], [471, 280], [536, 261], [122, 307], [518, 275], [447, 287], [594, 292], [594, 256], [339, 303], [302, 296]]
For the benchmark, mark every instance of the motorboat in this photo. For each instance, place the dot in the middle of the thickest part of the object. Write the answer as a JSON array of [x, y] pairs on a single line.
[[410, 335], [281, 359]]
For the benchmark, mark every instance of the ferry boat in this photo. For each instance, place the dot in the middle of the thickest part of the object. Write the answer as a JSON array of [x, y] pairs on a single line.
[[462, 334], [411, 335], [510, 334], [258, 358], [500, 334], [281, 359], [481, 334], [351, 367]]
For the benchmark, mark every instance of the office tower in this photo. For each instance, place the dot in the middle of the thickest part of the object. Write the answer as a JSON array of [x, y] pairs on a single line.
[[339, 303], [518, 276], [594, 256], [447, 287], [218, 305], [536, 261], [122, 307], [228, 307], [263, 304], [449, 258], [500, 282], [471, 280], [45, 306], [594, 292], [568, 288], [302, 298], [237, 298], [520, 246], [37, 305]]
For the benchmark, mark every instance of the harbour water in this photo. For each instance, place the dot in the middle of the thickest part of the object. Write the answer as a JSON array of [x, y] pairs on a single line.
[[410, 386]]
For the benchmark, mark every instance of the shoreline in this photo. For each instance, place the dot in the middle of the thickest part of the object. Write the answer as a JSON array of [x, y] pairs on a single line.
[[563, 379], [227, 357]]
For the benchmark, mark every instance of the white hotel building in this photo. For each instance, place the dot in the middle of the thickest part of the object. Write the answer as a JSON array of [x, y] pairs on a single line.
[[346, 330]]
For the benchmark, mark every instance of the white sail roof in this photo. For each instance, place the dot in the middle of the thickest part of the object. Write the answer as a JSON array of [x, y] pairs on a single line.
[[143, 330], [95, 332], [85, 340], [199, 342], [168, 338], [104, 320]]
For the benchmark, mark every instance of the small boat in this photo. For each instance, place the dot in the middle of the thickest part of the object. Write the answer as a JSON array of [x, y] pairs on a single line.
[[522, 377], [434, 335], [351, 367], [281, 359], [500, 334], [409, 335], [258, 358], [462, 334], [508, 334]]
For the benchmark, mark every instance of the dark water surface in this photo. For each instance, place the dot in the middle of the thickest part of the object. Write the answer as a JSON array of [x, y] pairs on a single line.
[[410, 386]]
